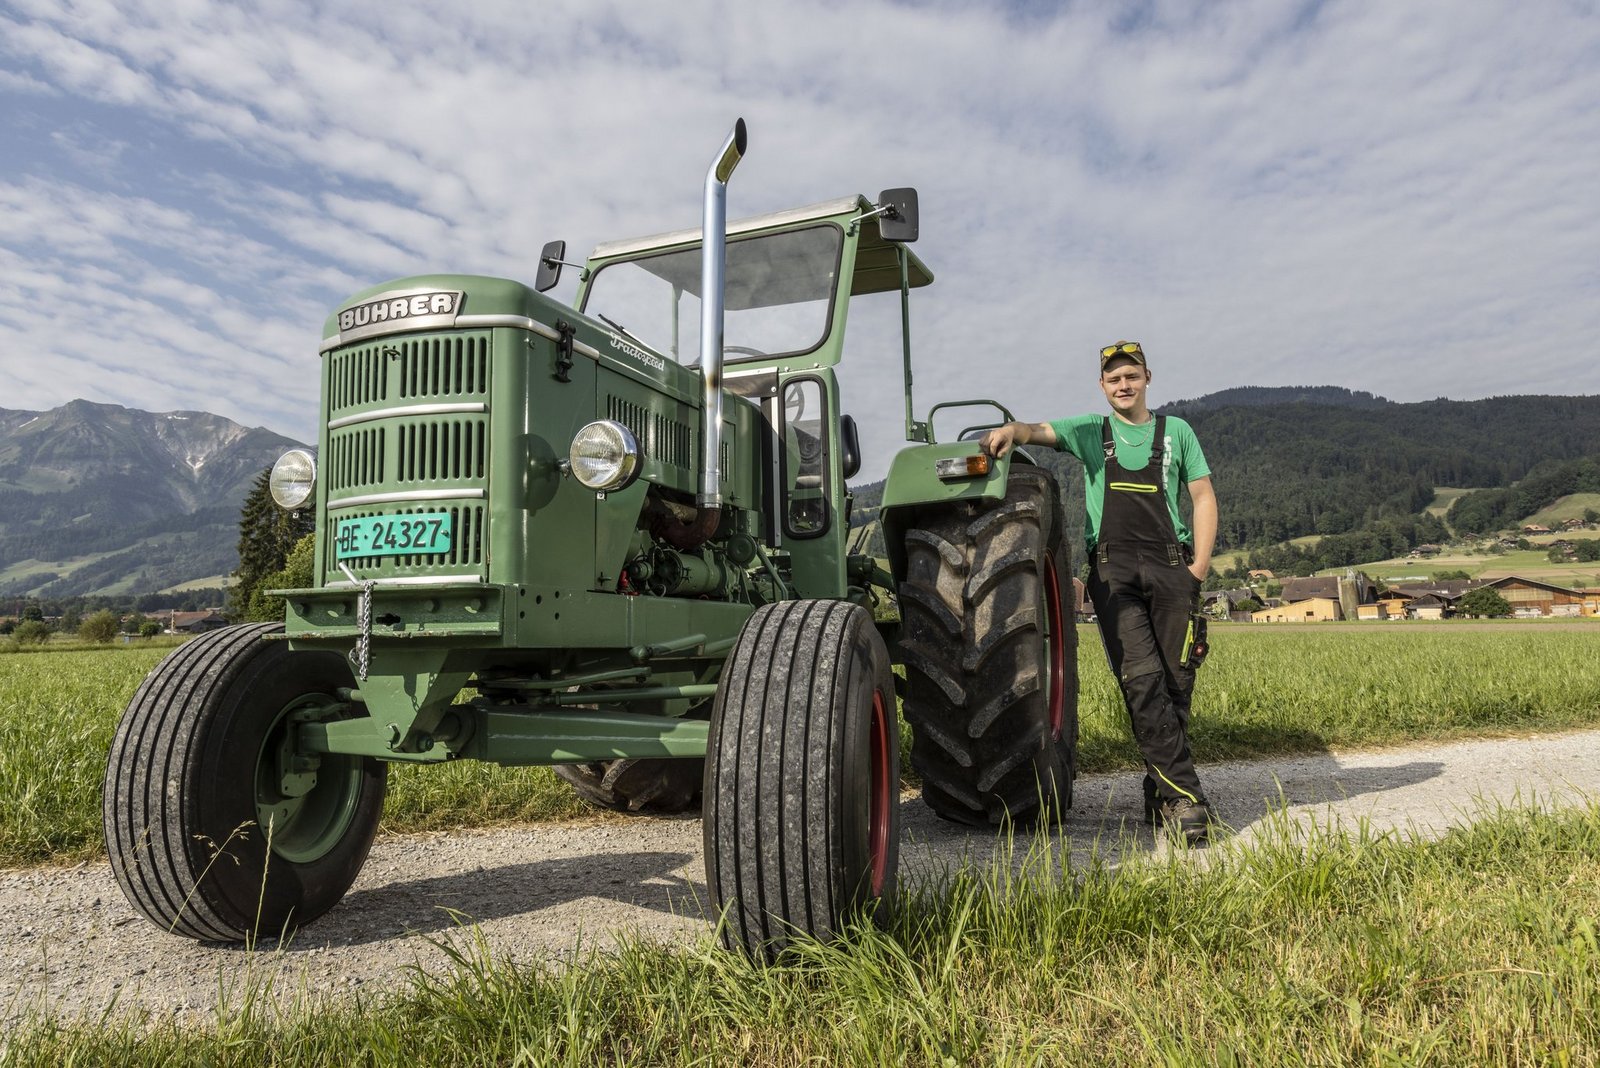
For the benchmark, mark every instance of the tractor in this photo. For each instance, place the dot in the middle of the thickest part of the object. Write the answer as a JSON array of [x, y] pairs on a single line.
[[614, 538]]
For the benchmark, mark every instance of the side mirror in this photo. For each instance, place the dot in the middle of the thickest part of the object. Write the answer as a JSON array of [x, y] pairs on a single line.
[[550, 266], [849, 446], [899, 222]]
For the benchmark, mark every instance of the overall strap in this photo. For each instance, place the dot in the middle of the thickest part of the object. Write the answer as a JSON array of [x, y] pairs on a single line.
[[1158, 444], [1106, 443]]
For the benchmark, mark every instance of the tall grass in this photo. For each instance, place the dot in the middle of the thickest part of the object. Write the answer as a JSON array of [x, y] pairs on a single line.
[[59, 711], [1307, 688], [1307, 948], [1264, 690]]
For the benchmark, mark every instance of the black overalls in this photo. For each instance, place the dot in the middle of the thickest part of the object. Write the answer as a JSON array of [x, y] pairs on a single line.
[[1143, 595]]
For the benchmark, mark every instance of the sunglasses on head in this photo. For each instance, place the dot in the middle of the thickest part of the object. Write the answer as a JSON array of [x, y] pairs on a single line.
[[1121, 348]]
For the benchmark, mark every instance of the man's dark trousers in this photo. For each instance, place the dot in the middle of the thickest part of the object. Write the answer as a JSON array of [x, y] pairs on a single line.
[[1143, 596]]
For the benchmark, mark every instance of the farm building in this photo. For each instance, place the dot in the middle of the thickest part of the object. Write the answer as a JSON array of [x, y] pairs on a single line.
[[195, 622], [1530, 597], [1308, 610], [1428, 606]]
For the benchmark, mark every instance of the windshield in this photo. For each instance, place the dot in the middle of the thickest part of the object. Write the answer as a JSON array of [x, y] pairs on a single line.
[[778, 295]]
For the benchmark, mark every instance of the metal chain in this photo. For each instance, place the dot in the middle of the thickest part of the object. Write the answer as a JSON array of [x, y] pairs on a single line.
[[361, 655]]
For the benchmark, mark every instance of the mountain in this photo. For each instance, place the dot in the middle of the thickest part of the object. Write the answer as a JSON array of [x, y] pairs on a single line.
[[97, 498], [1291, 469], [1263, 396]]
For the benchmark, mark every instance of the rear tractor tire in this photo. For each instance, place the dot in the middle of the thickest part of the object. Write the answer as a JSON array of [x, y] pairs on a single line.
[[643, 785], [802, 800], [215, 828], [990, 648]]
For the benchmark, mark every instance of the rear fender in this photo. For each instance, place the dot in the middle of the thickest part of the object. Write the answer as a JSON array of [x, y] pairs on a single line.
[[913, 487]]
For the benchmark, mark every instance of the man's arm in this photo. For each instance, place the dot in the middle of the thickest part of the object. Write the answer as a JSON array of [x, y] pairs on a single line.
[[1205, 525], [998, 441]]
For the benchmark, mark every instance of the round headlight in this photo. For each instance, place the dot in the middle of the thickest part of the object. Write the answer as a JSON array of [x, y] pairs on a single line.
[[293, 478], [604, 456]]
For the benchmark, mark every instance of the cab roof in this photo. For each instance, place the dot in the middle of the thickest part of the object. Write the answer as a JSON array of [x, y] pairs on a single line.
[[877, 263]]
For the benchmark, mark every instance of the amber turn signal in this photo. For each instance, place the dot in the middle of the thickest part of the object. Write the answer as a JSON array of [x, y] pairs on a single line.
[[953, 468]]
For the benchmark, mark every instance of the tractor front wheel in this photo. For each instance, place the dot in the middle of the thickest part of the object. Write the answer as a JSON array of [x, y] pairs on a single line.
[[802, 813], [216, 826]]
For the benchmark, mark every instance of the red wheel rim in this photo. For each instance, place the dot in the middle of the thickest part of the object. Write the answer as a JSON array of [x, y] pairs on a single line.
[[882, 786], [1055, 645]]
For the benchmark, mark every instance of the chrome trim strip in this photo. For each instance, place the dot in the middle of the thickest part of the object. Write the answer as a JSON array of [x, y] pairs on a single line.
[[466, 408], [522, 322], [516, 322], [408, 496], [420, 580]]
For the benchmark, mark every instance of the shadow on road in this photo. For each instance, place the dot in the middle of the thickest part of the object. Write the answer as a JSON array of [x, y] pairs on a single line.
[[421, 906], [1107, 814]]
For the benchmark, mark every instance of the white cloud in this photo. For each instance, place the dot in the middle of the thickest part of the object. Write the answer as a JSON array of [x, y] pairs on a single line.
[[1387, 197]]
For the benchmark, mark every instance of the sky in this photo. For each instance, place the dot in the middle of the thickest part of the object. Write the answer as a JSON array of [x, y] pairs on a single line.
[[1402, 198]]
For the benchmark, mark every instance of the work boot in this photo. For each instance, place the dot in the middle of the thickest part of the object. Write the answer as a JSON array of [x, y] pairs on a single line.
[[1191, 818]]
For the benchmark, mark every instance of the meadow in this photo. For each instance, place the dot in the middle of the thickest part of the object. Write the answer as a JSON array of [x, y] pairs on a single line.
[[1264, 690], [1308, 947]]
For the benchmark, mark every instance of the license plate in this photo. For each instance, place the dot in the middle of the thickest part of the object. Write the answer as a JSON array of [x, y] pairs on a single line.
[[393, 535]]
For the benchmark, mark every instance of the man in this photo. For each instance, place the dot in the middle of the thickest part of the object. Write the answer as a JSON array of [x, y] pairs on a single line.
[[1145, 566]]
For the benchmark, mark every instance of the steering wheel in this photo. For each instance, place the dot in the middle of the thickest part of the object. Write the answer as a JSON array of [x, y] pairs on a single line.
[[794, 404], [743, 350]]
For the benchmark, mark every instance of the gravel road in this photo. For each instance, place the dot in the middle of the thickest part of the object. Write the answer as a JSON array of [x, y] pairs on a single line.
[[70, 944]]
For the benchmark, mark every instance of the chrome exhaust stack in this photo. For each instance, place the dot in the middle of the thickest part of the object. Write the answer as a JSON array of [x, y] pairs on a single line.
[[713, 263]]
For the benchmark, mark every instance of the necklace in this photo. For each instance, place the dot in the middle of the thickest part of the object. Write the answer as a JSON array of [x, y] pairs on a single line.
[[1136, 441]]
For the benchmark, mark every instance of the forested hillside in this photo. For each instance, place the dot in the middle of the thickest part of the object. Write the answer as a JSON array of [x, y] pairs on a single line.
[[1493, 509]]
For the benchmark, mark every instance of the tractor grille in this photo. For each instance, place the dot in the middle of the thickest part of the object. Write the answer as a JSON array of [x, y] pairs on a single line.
[[663, 439], [395, 442], [355, 457], [448, 367]]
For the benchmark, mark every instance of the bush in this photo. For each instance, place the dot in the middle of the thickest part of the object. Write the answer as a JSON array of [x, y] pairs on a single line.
[[31, 632], [296, 574], [100, 627], [149, 629]]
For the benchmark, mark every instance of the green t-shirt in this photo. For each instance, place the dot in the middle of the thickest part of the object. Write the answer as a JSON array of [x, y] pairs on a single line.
[[1182, 460]]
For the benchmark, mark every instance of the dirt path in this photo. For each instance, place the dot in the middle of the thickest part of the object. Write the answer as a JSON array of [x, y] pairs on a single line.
[[70, 944]]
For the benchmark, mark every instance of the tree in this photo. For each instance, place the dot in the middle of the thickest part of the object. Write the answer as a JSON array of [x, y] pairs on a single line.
[[33, 612], [1446, 576], [1249, 604], [100, 627], [267, 534], [149, 629], [296, 574], [1485, 602], [31, 632]]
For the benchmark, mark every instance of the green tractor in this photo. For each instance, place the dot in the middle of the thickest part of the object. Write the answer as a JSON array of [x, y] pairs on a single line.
[[623, 526]]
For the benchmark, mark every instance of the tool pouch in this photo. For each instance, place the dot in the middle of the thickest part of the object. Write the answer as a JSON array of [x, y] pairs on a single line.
[[1195, 645]]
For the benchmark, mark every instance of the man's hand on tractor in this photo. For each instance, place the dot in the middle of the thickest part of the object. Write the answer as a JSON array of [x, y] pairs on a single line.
[[999, 441]]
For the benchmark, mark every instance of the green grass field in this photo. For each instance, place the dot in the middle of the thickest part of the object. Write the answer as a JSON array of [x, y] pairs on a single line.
[[1572, 506], [1309, 948], [1443, 498], [1264, 690]]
